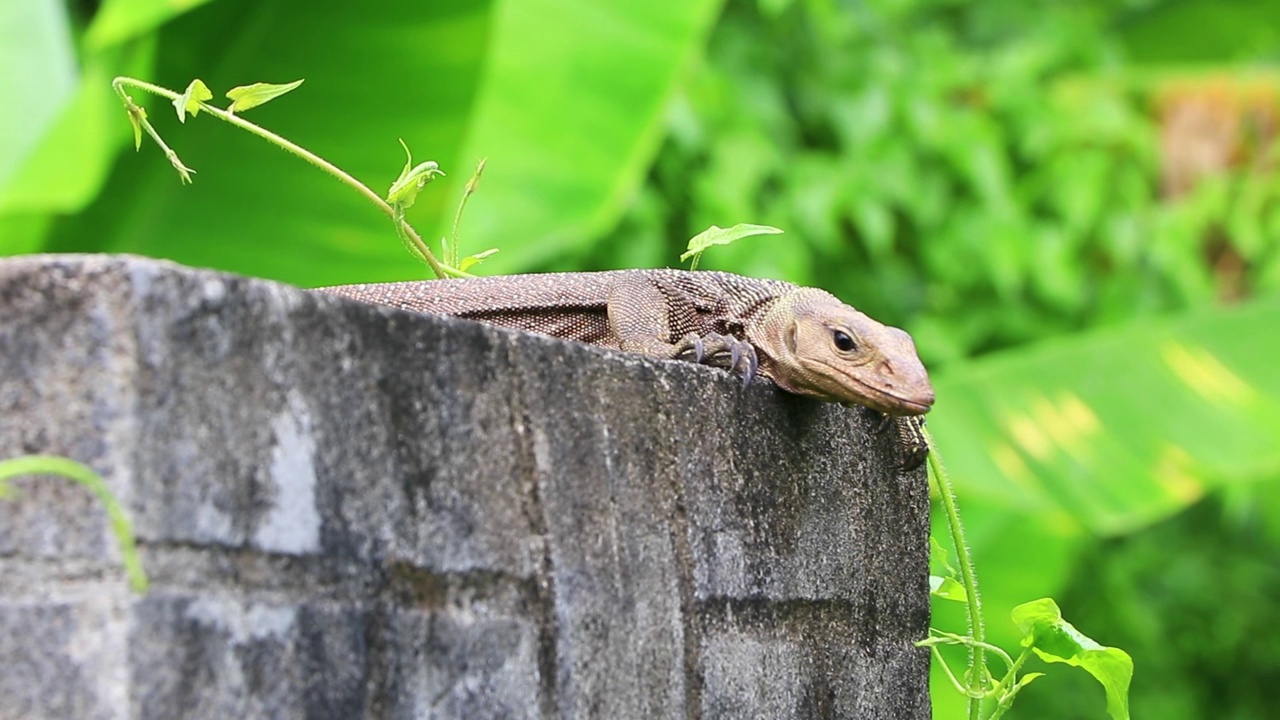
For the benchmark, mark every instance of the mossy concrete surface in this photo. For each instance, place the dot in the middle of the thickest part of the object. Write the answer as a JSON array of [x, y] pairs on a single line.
[[347, 512]]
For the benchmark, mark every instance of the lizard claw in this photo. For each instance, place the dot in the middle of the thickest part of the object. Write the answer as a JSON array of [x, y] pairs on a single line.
[[752, 364], [722, 351], [886, 421], [912, 442]]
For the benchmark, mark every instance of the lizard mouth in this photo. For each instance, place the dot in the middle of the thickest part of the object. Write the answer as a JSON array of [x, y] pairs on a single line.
[[914, 406], [891, 404], [878, 398]]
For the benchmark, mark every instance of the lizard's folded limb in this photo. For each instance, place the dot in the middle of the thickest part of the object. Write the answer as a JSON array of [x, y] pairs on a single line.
[[915, 447], [909, 429]]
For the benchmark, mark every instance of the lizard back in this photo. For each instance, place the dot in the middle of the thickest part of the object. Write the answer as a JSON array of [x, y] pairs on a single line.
[[565, 305], [575, 306]]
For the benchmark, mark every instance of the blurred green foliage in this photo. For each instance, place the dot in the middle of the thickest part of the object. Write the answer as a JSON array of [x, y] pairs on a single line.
[[518, 82], [981, 172], [1072, 207], [993, 175], [1192, 600]]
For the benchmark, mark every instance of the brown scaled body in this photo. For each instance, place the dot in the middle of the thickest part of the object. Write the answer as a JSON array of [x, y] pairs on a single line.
[[803, 339]]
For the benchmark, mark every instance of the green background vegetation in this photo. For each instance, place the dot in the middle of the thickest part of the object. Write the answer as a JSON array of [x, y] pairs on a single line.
[[1072, 206]]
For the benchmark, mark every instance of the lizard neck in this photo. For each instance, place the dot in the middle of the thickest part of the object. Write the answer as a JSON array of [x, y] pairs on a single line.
[[769, 328]]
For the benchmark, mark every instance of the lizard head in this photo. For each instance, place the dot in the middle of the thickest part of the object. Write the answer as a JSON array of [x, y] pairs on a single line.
[[816, 345]]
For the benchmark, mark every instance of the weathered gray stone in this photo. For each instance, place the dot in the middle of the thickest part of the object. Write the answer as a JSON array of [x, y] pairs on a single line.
[[354, 512]]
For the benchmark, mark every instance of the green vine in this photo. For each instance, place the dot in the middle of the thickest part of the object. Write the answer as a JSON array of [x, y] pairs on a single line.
[[400, 197], [1045, 633], [84, 475]]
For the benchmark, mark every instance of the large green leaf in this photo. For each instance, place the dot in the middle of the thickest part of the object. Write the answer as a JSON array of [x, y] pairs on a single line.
[[565, 99], [120, 20], [374, 73], [1099, 433], [37, 75], [65, 169], [1206, 31], [1119, 428], [570, 118], [61, 132]]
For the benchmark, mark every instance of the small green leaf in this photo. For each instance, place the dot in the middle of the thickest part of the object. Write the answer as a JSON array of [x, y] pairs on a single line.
[[474, 182], [404, 191], [137, 114], [1023, 681], [189, 101], [251, 96], [1057, 641], [947, 588], [723, 236], [470, 260], [938, 556]]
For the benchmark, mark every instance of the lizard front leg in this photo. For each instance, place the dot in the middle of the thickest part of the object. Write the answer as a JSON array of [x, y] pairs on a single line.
[[640, 318], [909, 432]]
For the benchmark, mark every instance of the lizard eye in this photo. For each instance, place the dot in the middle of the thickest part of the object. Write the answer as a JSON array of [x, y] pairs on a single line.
[[843, 342]]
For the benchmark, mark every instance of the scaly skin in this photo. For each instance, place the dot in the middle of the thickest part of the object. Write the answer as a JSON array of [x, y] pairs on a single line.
[[803, 339], [813, 344]]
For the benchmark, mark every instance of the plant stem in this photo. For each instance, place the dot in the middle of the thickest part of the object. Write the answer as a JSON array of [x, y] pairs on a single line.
[[120, 526], [472, 184], [942, 637], [290, 147], [1010, 675], [942, 662], [1004, 702], [977, 663]]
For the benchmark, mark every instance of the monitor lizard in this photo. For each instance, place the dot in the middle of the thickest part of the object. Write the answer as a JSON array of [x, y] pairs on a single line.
[[803, 339]]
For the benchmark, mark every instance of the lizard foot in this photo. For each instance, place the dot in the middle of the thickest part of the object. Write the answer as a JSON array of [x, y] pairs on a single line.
[[911, 441], [886, 421], [912, 445], [720, 351]]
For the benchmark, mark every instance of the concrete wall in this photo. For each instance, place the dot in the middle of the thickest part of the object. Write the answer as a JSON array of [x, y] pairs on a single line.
[[349, 512]]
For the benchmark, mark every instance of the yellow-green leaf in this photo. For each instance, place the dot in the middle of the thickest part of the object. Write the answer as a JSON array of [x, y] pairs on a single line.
[[137, 114], [723, 236], [1023, 681], [470, 260], [1052, 430], [189, 101], [404, 191], [251, 96], [938, 556], [947, 588]]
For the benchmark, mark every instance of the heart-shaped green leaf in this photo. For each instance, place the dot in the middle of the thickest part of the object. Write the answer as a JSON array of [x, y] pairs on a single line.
[[723, 236], [1055, 640]]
